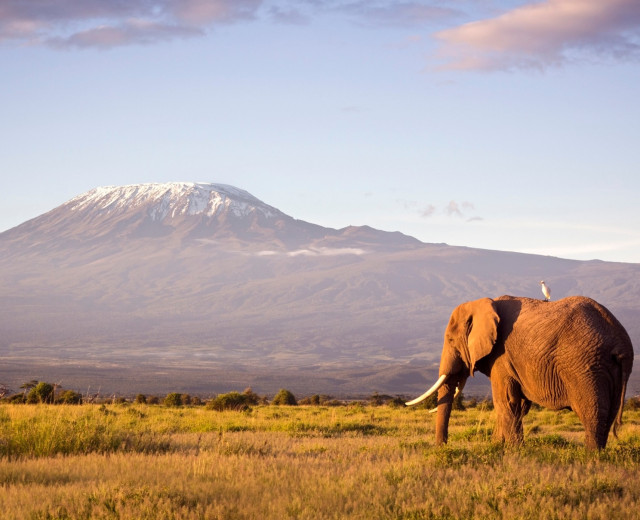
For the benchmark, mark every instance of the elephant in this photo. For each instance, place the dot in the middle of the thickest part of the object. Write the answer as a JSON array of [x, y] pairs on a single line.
[[567, 354]]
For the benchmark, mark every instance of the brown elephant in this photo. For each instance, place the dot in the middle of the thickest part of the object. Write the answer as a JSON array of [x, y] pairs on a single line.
[[568, 354]]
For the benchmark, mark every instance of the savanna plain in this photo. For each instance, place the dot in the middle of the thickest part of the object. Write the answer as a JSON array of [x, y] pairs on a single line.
[[354, 461]]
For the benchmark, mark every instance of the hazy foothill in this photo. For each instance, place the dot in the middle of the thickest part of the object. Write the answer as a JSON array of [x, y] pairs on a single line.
[[202, 289]]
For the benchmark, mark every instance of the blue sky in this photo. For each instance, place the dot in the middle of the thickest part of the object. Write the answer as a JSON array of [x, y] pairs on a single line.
[[507, 125]]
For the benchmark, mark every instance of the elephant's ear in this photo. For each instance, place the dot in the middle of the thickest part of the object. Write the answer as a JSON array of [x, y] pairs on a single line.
[[483, 330]]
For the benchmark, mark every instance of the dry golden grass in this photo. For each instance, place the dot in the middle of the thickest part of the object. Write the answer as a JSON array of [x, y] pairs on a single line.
[[356, 462]]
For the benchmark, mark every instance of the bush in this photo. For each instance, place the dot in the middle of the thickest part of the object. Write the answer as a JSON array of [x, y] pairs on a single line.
[[173, 399], [141, 399], [429, 403], [41, 393], [313, 400], [284, 397], [69, 397], [251, 397], [16, 398], [457, 402], [633, 403], [230, 401]]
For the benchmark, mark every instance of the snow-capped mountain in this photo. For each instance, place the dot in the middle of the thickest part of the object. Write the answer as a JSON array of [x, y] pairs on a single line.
[[170, 200], [186, 211], [204, 288]]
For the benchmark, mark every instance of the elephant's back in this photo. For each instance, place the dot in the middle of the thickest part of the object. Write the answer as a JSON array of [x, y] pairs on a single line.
[[574, 323]]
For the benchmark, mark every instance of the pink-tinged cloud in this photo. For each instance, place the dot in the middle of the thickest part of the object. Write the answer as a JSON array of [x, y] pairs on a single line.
[[546, 33], [206, 11], [111, 23], [131, 32]]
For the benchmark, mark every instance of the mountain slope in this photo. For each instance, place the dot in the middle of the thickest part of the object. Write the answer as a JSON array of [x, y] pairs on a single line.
[[201, 279], [181, 212]]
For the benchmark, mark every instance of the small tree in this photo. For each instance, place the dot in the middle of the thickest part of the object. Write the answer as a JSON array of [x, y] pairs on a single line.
[[141, 399], [173, 399], [26, 387], [41, 393], [229, 401], [284, 397]]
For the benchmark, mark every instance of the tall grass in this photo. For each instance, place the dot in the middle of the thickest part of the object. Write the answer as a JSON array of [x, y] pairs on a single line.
[[149, 462]]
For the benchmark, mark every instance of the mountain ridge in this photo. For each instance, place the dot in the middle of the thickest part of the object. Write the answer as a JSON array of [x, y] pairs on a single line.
[[195, 210]]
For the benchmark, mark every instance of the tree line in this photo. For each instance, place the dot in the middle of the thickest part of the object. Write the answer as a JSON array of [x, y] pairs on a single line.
[[41, 392]]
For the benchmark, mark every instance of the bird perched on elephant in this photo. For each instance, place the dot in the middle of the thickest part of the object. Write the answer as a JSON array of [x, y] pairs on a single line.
[[567, 354]]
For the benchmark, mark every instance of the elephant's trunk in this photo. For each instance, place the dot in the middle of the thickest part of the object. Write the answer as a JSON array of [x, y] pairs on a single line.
[[445, 403]]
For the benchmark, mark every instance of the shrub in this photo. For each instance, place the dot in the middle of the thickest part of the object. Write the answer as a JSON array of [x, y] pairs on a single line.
[[457, 402], [251, 397], [378, 400], [41, 393], [284, 397], [396, 402], [173, 399], [633, 403], [486, 404], [311, 400], [429, 403], [69, 397], [230, 401], [141, 399]]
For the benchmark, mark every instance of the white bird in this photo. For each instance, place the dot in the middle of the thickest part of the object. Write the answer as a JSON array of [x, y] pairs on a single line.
[[546, 291]]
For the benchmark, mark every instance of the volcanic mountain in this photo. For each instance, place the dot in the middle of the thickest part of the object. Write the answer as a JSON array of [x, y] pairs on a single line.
[[204, 288]]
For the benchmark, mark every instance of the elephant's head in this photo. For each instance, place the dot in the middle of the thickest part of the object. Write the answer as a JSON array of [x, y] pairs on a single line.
[[470, 336]]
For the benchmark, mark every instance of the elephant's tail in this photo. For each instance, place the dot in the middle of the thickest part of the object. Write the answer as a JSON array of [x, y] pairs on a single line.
[[626, 372]]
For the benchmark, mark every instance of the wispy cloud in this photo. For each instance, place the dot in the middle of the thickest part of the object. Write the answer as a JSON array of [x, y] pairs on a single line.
[[543, 34], [456, 209], [106, 24], [127, 33], [428, 211], [372, 13], [316, 251], [396, 13], [288, 15]]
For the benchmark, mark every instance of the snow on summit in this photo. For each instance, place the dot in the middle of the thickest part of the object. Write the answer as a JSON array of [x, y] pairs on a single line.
[[171, 200]]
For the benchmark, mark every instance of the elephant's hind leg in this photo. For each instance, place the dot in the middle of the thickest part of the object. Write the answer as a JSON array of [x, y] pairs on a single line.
[[597, 420]]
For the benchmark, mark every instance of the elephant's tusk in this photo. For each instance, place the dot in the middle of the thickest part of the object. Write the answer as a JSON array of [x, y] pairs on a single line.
[[429, 392], [458, 390]]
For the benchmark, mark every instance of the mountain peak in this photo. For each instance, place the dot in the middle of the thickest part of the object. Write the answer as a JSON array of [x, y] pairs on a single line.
[[186, 212], [172, 199]]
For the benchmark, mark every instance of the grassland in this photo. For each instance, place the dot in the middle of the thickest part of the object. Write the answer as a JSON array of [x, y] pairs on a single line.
[[308, 462]]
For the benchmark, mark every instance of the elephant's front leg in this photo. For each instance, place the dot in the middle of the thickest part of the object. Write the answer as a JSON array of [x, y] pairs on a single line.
[[445, 403], [510, 406]]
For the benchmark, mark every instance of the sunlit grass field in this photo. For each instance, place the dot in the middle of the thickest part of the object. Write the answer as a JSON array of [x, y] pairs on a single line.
[[307, 462]]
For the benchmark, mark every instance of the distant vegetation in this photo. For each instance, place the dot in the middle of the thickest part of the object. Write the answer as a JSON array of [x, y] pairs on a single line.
[[186, 458]]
